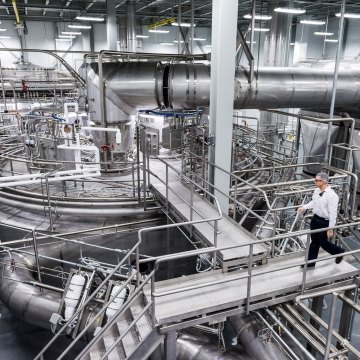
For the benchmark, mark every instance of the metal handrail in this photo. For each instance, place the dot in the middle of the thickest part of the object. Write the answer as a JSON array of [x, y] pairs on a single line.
[[81, 308], [249, 275]]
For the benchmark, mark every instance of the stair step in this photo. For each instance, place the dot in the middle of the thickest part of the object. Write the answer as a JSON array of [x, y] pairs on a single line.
[[96, 353], [144, 324], [130, 340], [117, 353]]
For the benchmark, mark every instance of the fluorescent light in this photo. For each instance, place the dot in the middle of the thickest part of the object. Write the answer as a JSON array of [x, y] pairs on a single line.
[[182, 24], [349, 15], [261, 29], [89, 18], [198, 39], [142, 36], [166, 44], [290, 10], [66, 36], [2, 29], [323, 33], [67, 39], [249, 42], [177, 41], [331, 40], [159, 31], [79, 26], [5, 37], [71, 32], [258, 17], [292, 44], [312, 22]]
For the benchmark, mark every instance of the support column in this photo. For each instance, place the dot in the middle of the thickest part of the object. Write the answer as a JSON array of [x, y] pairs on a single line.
[[170, 346], [111, 28], [224, 29]]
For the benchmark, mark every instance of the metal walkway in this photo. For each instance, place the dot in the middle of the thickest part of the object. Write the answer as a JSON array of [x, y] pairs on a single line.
[[228, 233], [269, 286]]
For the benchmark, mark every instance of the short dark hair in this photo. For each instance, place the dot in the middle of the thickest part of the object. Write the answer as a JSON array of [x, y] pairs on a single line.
[[323, 176]]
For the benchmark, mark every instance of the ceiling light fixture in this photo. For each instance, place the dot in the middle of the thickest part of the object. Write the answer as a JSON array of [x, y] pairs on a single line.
[[198, 39], [2, 29], [142, 36], [258, 17], [5, 37], [292, 44], [159, 31], [71, 32], [312, 22], [67, 36], [67, 39], [349, 15], [182, 24], [89, 18], [290, 10], [331, 40], [261, 29], [249, 42], [79, 26], [323, 33], [166, 44], [177, 41]]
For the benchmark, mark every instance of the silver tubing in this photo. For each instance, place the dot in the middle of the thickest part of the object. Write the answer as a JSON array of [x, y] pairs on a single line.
[[36, 253], [292, 337], [277, 336], [248, 292]]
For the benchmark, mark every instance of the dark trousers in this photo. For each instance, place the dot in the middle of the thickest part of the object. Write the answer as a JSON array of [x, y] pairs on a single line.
[[321, 239]]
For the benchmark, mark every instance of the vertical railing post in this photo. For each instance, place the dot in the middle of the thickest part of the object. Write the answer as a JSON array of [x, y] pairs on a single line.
[[331, 325], [215, 243], [138, 162], [248, 292], [49, 202], [305, 266], [36, 256], [137, 266], [152, 280]]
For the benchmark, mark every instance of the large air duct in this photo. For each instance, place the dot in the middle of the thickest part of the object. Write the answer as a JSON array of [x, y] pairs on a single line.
[[133, 86]]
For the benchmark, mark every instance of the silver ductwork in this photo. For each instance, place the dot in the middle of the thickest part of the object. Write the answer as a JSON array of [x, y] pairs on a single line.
[[130, 26], [133, 86], [194, 345], [23, 299], [247, 330]]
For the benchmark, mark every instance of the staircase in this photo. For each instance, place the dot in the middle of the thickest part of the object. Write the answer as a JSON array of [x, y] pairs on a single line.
[[129, 335]]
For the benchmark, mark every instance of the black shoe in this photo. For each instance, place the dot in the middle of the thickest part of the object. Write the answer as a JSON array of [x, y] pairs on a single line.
[[309, 265], [339, 259]]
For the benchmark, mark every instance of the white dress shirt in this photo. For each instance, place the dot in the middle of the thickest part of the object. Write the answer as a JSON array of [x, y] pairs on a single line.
[[324, 206]]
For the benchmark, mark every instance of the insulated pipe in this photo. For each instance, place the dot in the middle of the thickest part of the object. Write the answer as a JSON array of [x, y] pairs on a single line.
[[79, 211], [193, 345], [27, 301], [247, 329], [139, 85], [130, 26]]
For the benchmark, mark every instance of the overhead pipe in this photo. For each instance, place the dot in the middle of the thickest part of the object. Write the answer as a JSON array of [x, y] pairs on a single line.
[[140, 86]]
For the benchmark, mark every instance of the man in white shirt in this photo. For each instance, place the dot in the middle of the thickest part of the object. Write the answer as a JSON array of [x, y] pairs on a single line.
[[324, 204]]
